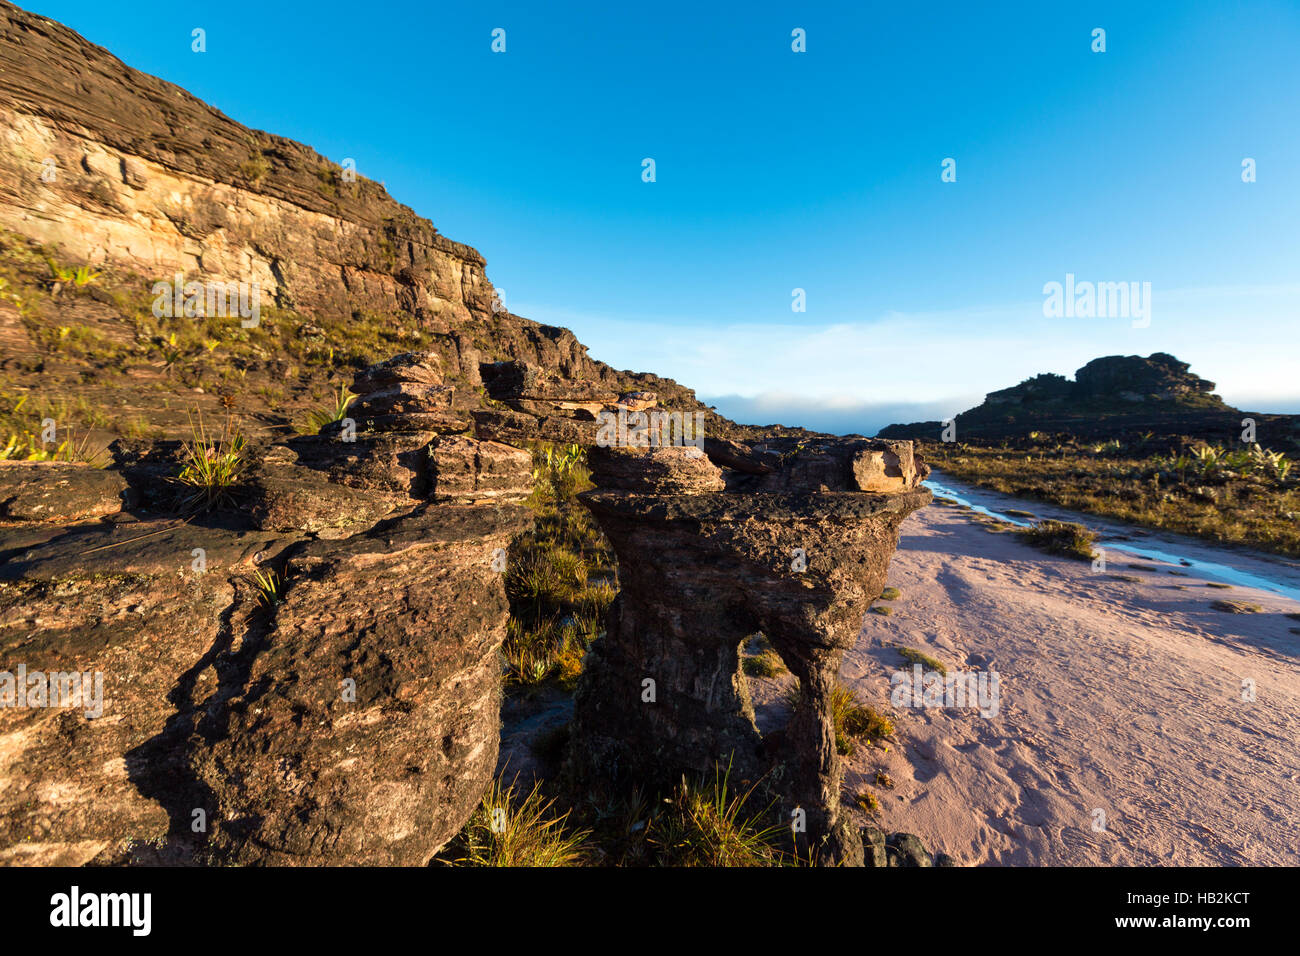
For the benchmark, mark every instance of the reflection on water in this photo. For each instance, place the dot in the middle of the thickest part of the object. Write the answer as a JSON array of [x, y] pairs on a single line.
[[1206, 569]]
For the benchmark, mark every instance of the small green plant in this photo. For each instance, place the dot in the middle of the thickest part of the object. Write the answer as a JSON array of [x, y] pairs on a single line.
[[324, 415], [558, 471], [172, 352], [80, 276], [270, 587], [255, 167], [882, 609], [24, 446], [1061, 537], [211, 467], [767, 663], [708, 824], [851, 719], [913, 656], [890, 594], [867, 802], [856, 721], [506, 830]]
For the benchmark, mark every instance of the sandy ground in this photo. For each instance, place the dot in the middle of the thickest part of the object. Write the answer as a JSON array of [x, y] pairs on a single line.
[[1120, 696]]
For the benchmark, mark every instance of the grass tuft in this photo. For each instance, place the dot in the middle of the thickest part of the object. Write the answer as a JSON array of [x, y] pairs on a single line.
[[1236, 607], [508, 829], [851, 719], [913, 656], [766, 663], [212, 466], [1061, 537], [709, 824]]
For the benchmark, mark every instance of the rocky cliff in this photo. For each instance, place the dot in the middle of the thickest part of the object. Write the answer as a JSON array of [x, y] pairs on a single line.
[[106, 167]]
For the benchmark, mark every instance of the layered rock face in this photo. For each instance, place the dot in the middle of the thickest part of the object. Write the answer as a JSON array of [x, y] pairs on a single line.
[[122, 170], [797, 549], [117, 166], [310, 676]]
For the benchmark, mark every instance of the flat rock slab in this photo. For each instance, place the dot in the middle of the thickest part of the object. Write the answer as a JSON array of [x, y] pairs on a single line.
[[59, 491]]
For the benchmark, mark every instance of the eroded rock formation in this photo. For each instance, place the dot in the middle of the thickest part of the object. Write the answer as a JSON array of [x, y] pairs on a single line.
[[797, 552], [344, 712]]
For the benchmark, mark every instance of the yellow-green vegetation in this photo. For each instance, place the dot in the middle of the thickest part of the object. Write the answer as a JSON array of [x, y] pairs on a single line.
[[1236, 607], [324, 415], [763, 661], [709, 823], [212, 466], [23, 434], [559, 473], [1246, 495], [560, 575], [514, 829], [766, 663], [24, 446], [867, 802], [851, 719], [913, 656], [1065, 538], [128, 335], [882, 609], [856, 721], [74, 275], [890, 594], [270, 587], [255, 167]]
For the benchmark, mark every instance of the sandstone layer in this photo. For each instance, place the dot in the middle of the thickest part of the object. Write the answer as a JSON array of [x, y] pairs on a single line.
[[308, 674]]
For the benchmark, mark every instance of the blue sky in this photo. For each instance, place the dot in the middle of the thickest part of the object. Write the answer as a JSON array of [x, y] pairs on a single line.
[[819, 170]]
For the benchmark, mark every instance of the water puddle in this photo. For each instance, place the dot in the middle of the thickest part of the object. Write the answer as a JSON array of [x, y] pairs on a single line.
[[1210, 570]]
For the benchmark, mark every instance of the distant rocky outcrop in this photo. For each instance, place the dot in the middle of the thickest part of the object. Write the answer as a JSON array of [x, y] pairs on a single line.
[[1109, 397]]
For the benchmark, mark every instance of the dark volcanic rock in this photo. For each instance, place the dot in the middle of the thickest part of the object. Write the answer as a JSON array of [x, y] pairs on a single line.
[[906, 849]]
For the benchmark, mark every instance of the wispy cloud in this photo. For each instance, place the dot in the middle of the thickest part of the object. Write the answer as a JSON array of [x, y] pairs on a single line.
[[859, 375]]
